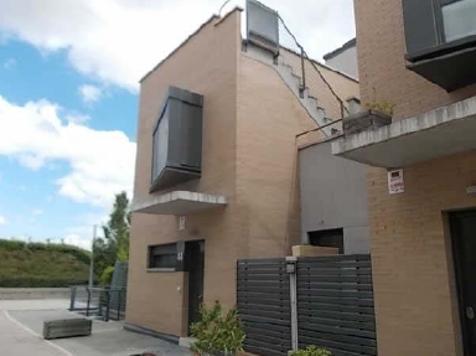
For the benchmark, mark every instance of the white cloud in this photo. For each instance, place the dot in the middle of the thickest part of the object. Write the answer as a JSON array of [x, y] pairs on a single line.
[[3, 220], [118, 41], [35, 134], [90, 93]]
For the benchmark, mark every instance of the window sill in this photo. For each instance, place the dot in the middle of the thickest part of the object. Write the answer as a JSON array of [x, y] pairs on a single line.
[[160, 270]]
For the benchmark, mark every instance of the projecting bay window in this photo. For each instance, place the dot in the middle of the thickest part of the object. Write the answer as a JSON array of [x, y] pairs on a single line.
[[177, 139], [441, 40]]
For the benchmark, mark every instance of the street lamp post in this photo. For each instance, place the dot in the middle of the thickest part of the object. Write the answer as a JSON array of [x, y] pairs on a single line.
[[91, 263]]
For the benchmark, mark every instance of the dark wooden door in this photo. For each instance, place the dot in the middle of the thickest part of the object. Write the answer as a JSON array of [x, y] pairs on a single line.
[[463, 233], [195, 251]]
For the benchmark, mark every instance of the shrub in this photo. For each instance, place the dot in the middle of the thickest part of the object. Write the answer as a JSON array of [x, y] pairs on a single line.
[[312, 351], [37, 264], [106, 276], [217, 332]]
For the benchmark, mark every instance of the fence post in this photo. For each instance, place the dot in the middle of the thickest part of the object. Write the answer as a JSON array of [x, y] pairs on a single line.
[[291, 270], [72, 298], [108, 302], [119, 304], [89, 300]]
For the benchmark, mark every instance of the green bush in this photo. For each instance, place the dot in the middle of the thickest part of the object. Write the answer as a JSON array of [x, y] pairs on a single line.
[[106, 277], [312, 351], [218, 332]]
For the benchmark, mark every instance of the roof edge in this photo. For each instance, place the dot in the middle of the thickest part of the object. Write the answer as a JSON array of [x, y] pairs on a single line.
[[212, 18], [339, 50]]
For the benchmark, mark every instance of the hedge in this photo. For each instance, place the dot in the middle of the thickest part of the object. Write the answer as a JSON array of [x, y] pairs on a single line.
[[13, 245]]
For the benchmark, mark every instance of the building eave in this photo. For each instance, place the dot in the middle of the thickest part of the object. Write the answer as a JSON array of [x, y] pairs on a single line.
[[179, 202], [441, 132]]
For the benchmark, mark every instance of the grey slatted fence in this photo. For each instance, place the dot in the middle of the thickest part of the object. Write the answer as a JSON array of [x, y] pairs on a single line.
[[334, 304], [264, 305]]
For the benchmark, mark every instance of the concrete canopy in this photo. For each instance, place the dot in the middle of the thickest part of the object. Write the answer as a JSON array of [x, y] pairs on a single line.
[[441, 132], [179, 202]]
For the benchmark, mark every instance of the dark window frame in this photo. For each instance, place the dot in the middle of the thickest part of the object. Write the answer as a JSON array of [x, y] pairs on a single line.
[[162, 250], [153, 175], [442, 47], [175, 107], [329, 238]]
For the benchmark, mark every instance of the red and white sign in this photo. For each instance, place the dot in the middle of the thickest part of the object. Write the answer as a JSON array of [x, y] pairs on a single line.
[[396, 184]]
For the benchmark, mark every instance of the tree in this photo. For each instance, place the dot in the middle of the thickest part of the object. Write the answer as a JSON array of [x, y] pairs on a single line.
[[115, 245]]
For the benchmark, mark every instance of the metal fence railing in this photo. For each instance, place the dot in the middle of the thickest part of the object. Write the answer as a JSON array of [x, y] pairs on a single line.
[[103, 302]]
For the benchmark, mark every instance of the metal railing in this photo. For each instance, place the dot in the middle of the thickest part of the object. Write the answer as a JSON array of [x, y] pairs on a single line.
[[305, 58], [104, 302]]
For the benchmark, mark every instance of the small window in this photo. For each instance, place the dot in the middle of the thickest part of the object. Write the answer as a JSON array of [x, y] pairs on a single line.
[[459, 19], [163, 256], [328, 238]]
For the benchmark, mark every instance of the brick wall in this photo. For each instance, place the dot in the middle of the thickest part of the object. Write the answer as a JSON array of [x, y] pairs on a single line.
[[413, 271]]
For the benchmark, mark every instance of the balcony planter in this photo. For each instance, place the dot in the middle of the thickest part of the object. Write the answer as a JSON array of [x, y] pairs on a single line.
[[365, 120]]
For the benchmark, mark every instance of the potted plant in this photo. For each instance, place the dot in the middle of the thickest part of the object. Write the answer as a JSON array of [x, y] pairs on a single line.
[[311, 351], [218, 333], [376, 114]]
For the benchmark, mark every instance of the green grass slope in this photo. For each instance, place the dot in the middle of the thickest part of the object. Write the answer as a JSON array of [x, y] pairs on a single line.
[[42, 265]]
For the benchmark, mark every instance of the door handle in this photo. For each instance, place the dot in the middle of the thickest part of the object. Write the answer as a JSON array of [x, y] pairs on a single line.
[[470, 313]]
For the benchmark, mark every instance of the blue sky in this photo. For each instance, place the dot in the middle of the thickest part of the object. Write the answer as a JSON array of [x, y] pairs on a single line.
[[69, 72], [29, 204]]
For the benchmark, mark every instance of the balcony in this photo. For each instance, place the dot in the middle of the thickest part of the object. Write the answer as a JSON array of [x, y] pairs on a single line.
[[447, 130], [441, 41]]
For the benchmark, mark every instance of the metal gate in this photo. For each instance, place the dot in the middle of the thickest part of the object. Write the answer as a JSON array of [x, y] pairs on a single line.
[[334, 305], [264, 305]]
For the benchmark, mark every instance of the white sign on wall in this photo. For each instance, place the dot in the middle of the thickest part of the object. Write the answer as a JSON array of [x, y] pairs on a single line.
[[396, 184], [181, 223]]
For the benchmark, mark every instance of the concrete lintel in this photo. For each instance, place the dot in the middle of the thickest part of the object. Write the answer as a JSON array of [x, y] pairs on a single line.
[[443, 131], [179, 202]]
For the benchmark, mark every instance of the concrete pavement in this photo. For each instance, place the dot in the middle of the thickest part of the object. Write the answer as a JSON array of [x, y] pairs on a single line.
[[21, 325]]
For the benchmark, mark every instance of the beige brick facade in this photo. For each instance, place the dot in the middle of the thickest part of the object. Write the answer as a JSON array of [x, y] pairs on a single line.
[[251, 119], [416, 307]]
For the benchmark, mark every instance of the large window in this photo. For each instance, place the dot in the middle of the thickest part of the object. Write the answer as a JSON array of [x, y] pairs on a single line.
[[441, 40], [161, 137], [163, 256], [438, 25], [177, 139], [459, 19]]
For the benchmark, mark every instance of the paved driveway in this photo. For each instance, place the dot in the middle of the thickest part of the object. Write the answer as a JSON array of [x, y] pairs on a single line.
[[21, 325]]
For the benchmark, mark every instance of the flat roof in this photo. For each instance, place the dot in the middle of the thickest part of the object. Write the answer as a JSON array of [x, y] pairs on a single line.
[[349, 44]]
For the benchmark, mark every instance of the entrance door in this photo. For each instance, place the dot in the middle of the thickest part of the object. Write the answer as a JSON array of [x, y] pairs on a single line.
[[463, 233], [194, 265]]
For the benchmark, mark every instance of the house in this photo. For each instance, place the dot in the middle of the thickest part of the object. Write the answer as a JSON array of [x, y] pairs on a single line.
[[344, 58], [416, 63], [221, 121]]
